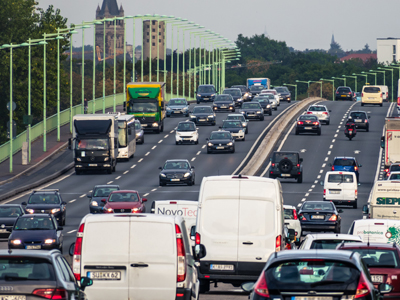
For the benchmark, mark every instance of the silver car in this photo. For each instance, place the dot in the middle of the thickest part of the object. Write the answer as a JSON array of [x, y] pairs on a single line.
[[272, 100], [241, 118], [321, 111], [139, 132]]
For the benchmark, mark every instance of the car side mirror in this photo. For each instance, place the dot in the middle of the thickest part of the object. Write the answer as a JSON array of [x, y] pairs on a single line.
[[300, 160], [206, 139], [369, 117], [383, 142], [330, 165], [384, 288], [64, 203], [144, 199], [248, 287], [89, 196], [71, 249], [365, 209], [23, 203], [85, 281], [69, 144], [340, 211], [103, 200], [321, 183], [199, 251], [60, 228], [220, 127], [193, 233], [330, 110], [160, 168], [192, 167], [360, 165], [247, 120]]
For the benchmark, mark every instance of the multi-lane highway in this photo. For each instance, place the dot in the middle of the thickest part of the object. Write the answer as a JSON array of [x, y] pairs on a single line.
[[141, 172]]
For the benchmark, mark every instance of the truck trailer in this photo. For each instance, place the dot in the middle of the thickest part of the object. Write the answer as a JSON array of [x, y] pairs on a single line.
[[390, 142]]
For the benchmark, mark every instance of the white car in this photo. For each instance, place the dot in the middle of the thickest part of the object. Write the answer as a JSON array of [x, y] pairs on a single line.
[[186, 133], [321, 111], [394, 176], [292, 221], [273, 92], [241, 118], [327, 240]]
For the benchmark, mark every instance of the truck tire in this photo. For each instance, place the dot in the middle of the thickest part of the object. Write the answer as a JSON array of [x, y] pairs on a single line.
[[78, 172], [162, 127], [204, 286], [300, 179], [113, 169], [109, 170]]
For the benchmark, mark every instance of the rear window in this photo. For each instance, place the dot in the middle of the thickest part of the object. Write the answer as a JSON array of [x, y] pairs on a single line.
[[358, 115], [372, 89], [290, 156], [308, 117], [25, 268], [394, 176], [10, 211], [328, 244], [313, 274], [104, 192], [318, 206], [256, 88], [343, 90], [379, 258], [289, 214], [340, 178], [317, 108], [394, 168], [344, 162]]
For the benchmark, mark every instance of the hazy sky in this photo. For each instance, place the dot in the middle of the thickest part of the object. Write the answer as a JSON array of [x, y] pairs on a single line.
[[301, 24]]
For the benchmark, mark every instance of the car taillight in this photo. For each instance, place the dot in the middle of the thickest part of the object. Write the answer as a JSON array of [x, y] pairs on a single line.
[[366, 120], [350, 129], [315, 123], [381, 95], [398, 101], [260, 288], [333, 218], [76, 263], [295, 214], [324, 192], [333, 168], [349, 93], [273, 165], [362, 94], [198, 238], [181, 255], [355, 192], [355, 168], [337, 92], [278, 243], [309, 113], [362, 288], [51, 293], [298, 165], [325, 113], [302, 218], [300, 123]]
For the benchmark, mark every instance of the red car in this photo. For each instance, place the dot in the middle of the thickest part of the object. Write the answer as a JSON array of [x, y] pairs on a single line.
[[124, 201], [383, 262]]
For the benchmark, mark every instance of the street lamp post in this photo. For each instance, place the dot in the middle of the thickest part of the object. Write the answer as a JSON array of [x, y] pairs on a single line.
[[372, 73], [338, 78], [383, 72], [83, 67], [333, 87], [355, 81], [365, 75], [320, 82], [295, 89], [391, 70], [308, 85]]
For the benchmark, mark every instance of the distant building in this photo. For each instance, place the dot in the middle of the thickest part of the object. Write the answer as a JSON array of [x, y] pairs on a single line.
[[388, 50], [363, 56], [109, 9], [153, 36]]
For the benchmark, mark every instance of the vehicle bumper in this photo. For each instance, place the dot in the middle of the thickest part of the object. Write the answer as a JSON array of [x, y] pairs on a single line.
[[203, 121], [238, 136], [5, 232], [229, 108], [253, 116], [42, 246], [123, 154], [181, 180], [149, 126], [139, 139], [209, 99], [276, 174], [214, 148], [186, 139], [177, 113], [374, 102], [184, 294], [318, 226], [96, 209], [362, 125], [312, 129], [267, 110], [94, 166], [345, 97]]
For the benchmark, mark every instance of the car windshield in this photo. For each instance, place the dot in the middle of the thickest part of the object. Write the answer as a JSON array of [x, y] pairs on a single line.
[[312, 274], [172, 165], [379, 258], [186, 126], [104, 191], [344, 162], [143, 107], [223, 98], [243, 89], [234, 92], [372, 89], [34, 223], [138, 125], [317, 108], [44, 199], [232, 124], [10, 211], [344, 90], [282, 90], [358, 115], [238, 117], [394, 168], [394, 176], [177, 102], [206, 89], [25, 268], [249, 105], [261, 99], [91, 144], [202, 110], [329, 244], [270, 92], [290, 156], [340, 178], [123, 197], [220, 136], [256, 88], [289, 214], [308, 117], [318, 206]]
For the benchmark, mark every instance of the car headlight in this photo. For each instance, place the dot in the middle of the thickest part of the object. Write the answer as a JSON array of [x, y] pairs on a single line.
[[30, 210], [49, 241], [155, 124], [210, 116], [185, 108], [259, 112], [168, 108], [268, 106], [247, 94], [94, 203], [110, 210], [212, 95], [193, 117], [16, 242], [198, 95], [78, 159], [187, 174], [106, 158], [241, 131], [240, 99], [136, 209], [244, 124], [54, 210], [242, 112], [230, 144], [210, 144], [163, 175]]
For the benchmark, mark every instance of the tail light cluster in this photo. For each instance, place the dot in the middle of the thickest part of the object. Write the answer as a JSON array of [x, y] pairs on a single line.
[[315, 123], [198, 239], [398, 101], [302, 217], [51, 293], [300, 123], [355, 168], [298, 165], [295, 215], [333, 218], [324, 192], [362, 94], [363, 288], [278, 243], [309, 113], [76, 263], [381, 95], [180, 246], [273, 165], [325, 113], [261, 288], [333, 168]]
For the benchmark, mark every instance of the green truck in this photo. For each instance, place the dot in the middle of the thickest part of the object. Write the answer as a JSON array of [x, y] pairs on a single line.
[[146, 101]]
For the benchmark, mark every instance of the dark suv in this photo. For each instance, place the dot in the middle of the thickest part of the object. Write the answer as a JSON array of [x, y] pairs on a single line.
[[47, 202], [360, 118], [344, 93], [205, 93], [100, 192], [283, 93], [246, 95], [285, 164], [38, 274]]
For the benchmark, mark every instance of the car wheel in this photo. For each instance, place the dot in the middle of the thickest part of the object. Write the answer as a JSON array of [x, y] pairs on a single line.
[[362, 104], [233, 150], [289, 101], [297, 132], [275, 108], [327, 122], [162, 183], [78, 172], [204, 286], [168, 116], [213, 124], [233, 110], [355, 204], [198, 102], [176, 143], [368, 128], [262, 119], [319, 132], [244, 138], [300, 179], [270, 112], [196, 142], [208, 151], [109, 171], [190, 183], [380, 105], [337, 229], [247, 131]]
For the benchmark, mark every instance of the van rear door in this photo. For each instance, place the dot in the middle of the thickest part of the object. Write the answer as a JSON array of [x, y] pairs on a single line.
[[152, 259]]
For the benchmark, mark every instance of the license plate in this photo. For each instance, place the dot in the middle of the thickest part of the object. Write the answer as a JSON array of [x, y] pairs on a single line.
[[186, 139], [175, 179], [33, 247], [285, 175], [177, 112], [104, 275], [371, 98], [92, 165], [312, 298], [144, 125], [251, 115], [344, 95], [206, 98], [307, 127], [221, 267], [377, 278], [12, 297], [202, 120], [317, 217], [220, 147], [223, 106], [358, 120], [334, 192]]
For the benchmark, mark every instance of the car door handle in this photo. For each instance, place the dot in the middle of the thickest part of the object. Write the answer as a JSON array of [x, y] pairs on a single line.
[[139, 265], [247, 243]]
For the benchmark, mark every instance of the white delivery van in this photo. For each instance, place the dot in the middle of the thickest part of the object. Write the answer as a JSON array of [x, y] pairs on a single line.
[[384, 200], [376, 230], [340, 187], [371, 94], [185, 208], [385, 92], [240, 223], [135, 256]]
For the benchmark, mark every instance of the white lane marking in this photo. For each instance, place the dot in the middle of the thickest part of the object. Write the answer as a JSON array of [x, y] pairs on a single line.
[[304, 199], [321, 171], [316, 181], [167, 135], [306, 195], [203, 146], [198, 153], [329, 153], [71, 231], [298, 205], [147, 154], [341, 123], [357, 151], [154, 147], [160, 141], [326, 158], [110, 182], [81, 196], [319, 176], [133, 166], [170, 132], [337, 130], [73, 200], [90, 191], [145, 194], [116, 178], [313, 186], [323, 165], [193, 159], [126, 172], [154, 189], [310, 190], [335, 135], [140, 160], [333, 140], [339, 126], [331, 146], [303, 150]]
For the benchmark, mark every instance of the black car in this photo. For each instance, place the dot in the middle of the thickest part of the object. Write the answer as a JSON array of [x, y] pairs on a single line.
[[203, 115], [220, 141], [319, 216], [39, 274], [344, 93], [176, 171], [315, 274], [224, 102], [392, 168], [265, 104], [35, 232], [47, 202], [252, 110], [256, 89], [246, 95], [308, 123], [176, 107], [235, 127], [285, 164], [99, 193], [283, 93], [205, 93], [236, 95], [8, 214], [361, 119]]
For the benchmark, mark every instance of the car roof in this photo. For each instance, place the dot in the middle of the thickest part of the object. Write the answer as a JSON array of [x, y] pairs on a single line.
[[340, 236], [235, 115], [206, 85], [288, 206], [124, 191], [35, 215], [177, 99], [31, 253], [202, 106], [358, 111], [16, 205], [296, 152], [231, 121], [227, 89], [106, 185], [316, 201], [344, 157], [220, 131], [185, 122], [318, 105], [348, 256], [369, 246]]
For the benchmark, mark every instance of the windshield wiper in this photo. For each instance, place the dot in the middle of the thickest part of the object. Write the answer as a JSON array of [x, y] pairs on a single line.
[[325, 282]]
